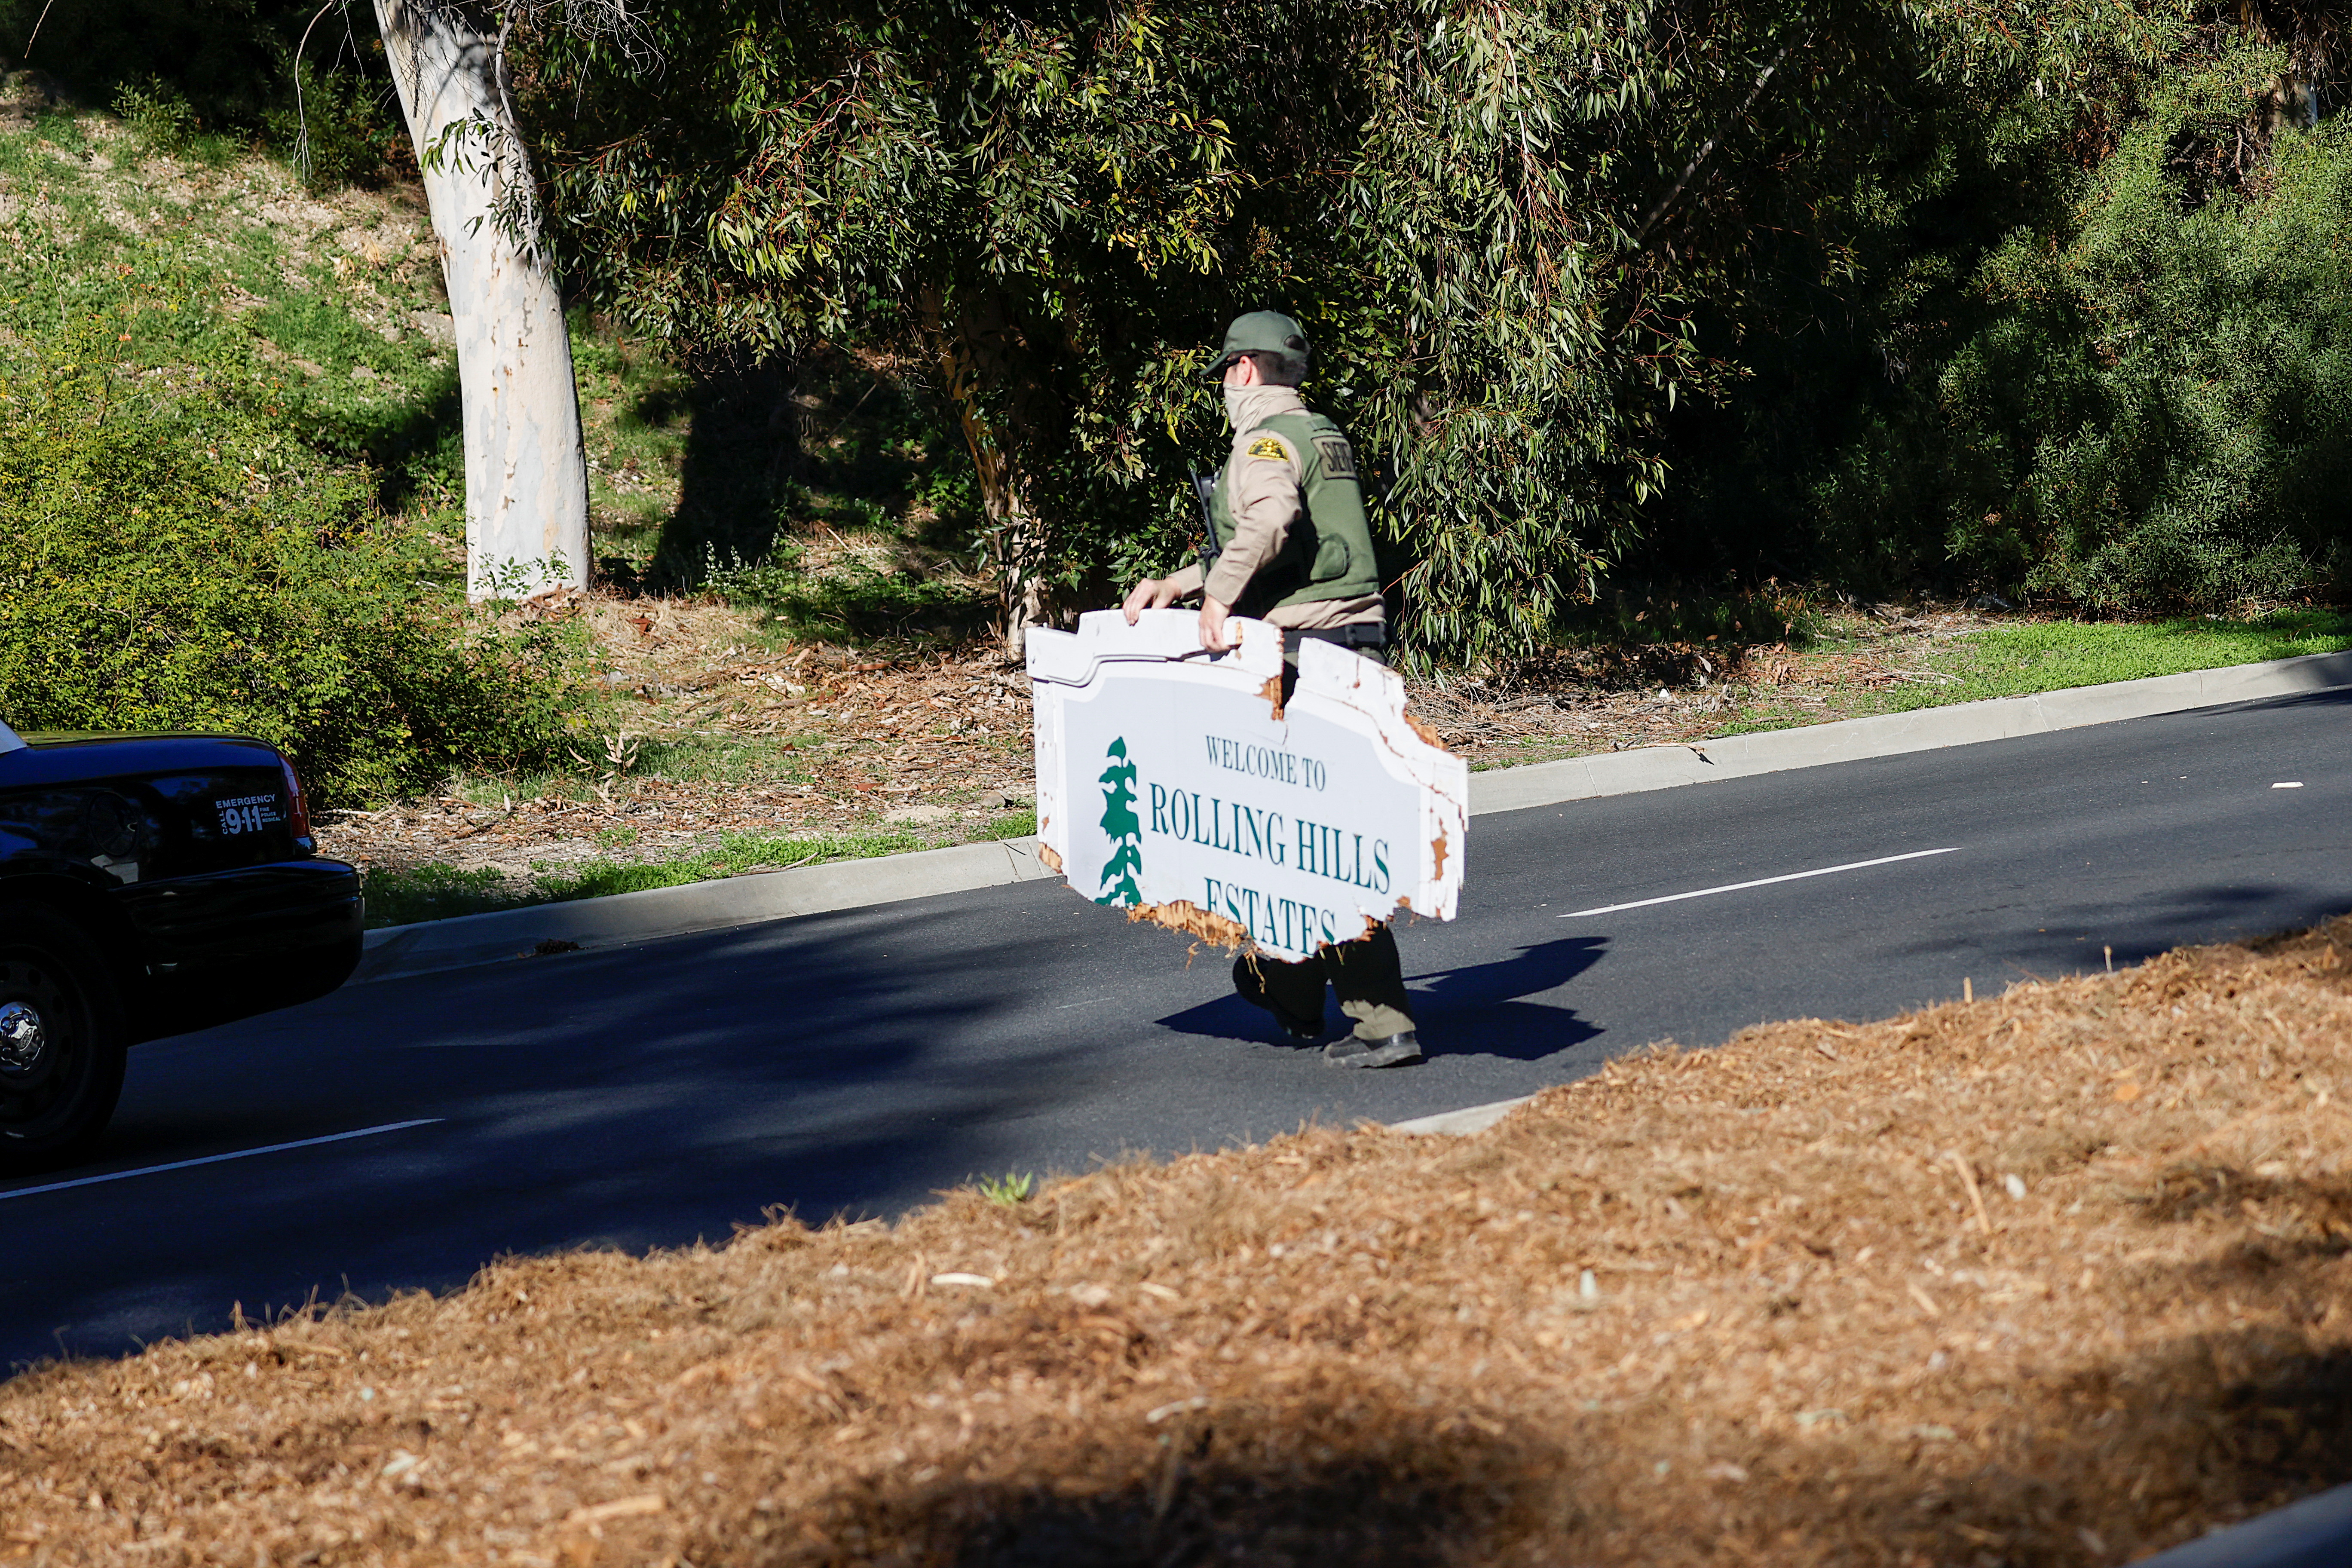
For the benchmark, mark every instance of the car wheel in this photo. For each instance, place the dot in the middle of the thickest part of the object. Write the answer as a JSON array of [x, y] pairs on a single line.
[[61, 1040]]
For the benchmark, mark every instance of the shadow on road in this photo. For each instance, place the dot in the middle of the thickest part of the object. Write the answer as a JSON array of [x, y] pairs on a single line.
[[1476, 1009], [1484, 1008], [589, 1100], [2080, 930]]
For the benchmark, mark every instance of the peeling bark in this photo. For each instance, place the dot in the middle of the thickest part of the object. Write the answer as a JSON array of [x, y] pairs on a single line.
[[526, 467]]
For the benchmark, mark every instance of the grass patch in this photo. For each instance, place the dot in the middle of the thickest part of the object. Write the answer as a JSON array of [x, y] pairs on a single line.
[[695, 758], [2050, 655], [1606, 697], [1012, 1187], [433, 892], [2020, 658], [738, 855]]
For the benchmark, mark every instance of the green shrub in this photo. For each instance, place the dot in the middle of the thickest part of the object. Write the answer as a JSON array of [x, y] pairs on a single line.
[[162, 568], [2095, 347], [159, 114], [209, 78], [2192, 439]]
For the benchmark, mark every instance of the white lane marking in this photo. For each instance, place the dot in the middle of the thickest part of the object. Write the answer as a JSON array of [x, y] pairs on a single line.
[[216, 1159], [1760, 882], [2297, 784]]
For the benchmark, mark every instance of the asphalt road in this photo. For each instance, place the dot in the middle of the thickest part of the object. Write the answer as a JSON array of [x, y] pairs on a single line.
[[656, 1094]]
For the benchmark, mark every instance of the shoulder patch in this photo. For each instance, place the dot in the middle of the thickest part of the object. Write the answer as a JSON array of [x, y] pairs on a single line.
[[1269, 446]]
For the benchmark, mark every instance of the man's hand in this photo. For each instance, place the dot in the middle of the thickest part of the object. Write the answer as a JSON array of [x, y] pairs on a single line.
[[1151, 593], [1213, 626]]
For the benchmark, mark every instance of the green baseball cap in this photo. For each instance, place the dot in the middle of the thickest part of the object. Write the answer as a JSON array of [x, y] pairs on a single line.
[[1263, 333]]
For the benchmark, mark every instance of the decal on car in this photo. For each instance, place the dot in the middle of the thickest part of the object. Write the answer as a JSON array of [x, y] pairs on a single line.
[[249, 813]]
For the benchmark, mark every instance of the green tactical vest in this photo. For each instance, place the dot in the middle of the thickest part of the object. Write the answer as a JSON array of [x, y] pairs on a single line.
[[1329, 554]]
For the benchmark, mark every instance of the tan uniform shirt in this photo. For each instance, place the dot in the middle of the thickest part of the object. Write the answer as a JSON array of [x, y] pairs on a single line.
[[1266, 497]]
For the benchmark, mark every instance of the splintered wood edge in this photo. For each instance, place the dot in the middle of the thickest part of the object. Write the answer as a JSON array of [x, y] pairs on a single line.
[[1177, 915], [1192, 921]]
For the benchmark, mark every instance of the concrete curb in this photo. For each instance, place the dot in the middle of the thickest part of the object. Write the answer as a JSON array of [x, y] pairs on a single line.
[[435, 945], [1462, 1122], [1892, 734], [2313, 1534], [431, 945]]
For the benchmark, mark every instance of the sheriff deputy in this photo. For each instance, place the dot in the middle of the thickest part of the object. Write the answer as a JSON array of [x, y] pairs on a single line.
[[1291, 547]]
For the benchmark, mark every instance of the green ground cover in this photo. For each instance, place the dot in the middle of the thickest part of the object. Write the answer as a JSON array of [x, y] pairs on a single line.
[[184, 302], [2050, 656], [399, 896], [200, 367], [432, 892], [2024, 657], [1834, 664]]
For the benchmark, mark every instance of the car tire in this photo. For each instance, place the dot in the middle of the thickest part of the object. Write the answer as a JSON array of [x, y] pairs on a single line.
[[62, 1040]]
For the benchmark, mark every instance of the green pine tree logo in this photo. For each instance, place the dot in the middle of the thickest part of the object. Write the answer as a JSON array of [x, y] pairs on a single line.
[[1123, 828]]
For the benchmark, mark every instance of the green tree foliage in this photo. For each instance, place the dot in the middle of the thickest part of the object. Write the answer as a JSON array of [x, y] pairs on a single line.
[[1493, 219], [168, 568], [1016, 208], [2029, 295]]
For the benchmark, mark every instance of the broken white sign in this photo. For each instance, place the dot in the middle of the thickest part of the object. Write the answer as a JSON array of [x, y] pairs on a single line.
[[1181, 785]]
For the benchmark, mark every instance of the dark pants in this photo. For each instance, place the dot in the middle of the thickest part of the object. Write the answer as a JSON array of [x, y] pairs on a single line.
[[1366, 974]]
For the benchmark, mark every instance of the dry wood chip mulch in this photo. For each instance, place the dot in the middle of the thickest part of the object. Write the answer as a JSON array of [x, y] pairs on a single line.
[[2056, 1277]]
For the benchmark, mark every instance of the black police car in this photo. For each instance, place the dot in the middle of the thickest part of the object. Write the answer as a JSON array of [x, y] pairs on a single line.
[[149, 885]]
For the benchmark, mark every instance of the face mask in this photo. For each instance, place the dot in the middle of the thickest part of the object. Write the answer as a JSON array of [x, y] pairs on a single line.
[[1233, 395]]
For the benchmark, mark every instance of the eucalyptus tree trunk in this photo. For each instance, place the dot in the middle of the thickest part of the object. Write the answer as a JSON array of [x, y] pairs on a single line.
[[975, 353], [526, 467]]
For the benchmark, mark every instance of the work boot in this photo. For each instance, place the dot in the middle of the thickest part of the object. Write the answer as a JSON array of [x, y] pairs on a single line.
[[1284, 990], [1401, 1050]]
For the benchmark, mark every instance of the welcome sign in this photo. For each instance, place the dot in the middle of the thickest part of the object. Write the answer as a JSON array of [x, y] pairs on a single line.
[[1181, 785]]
